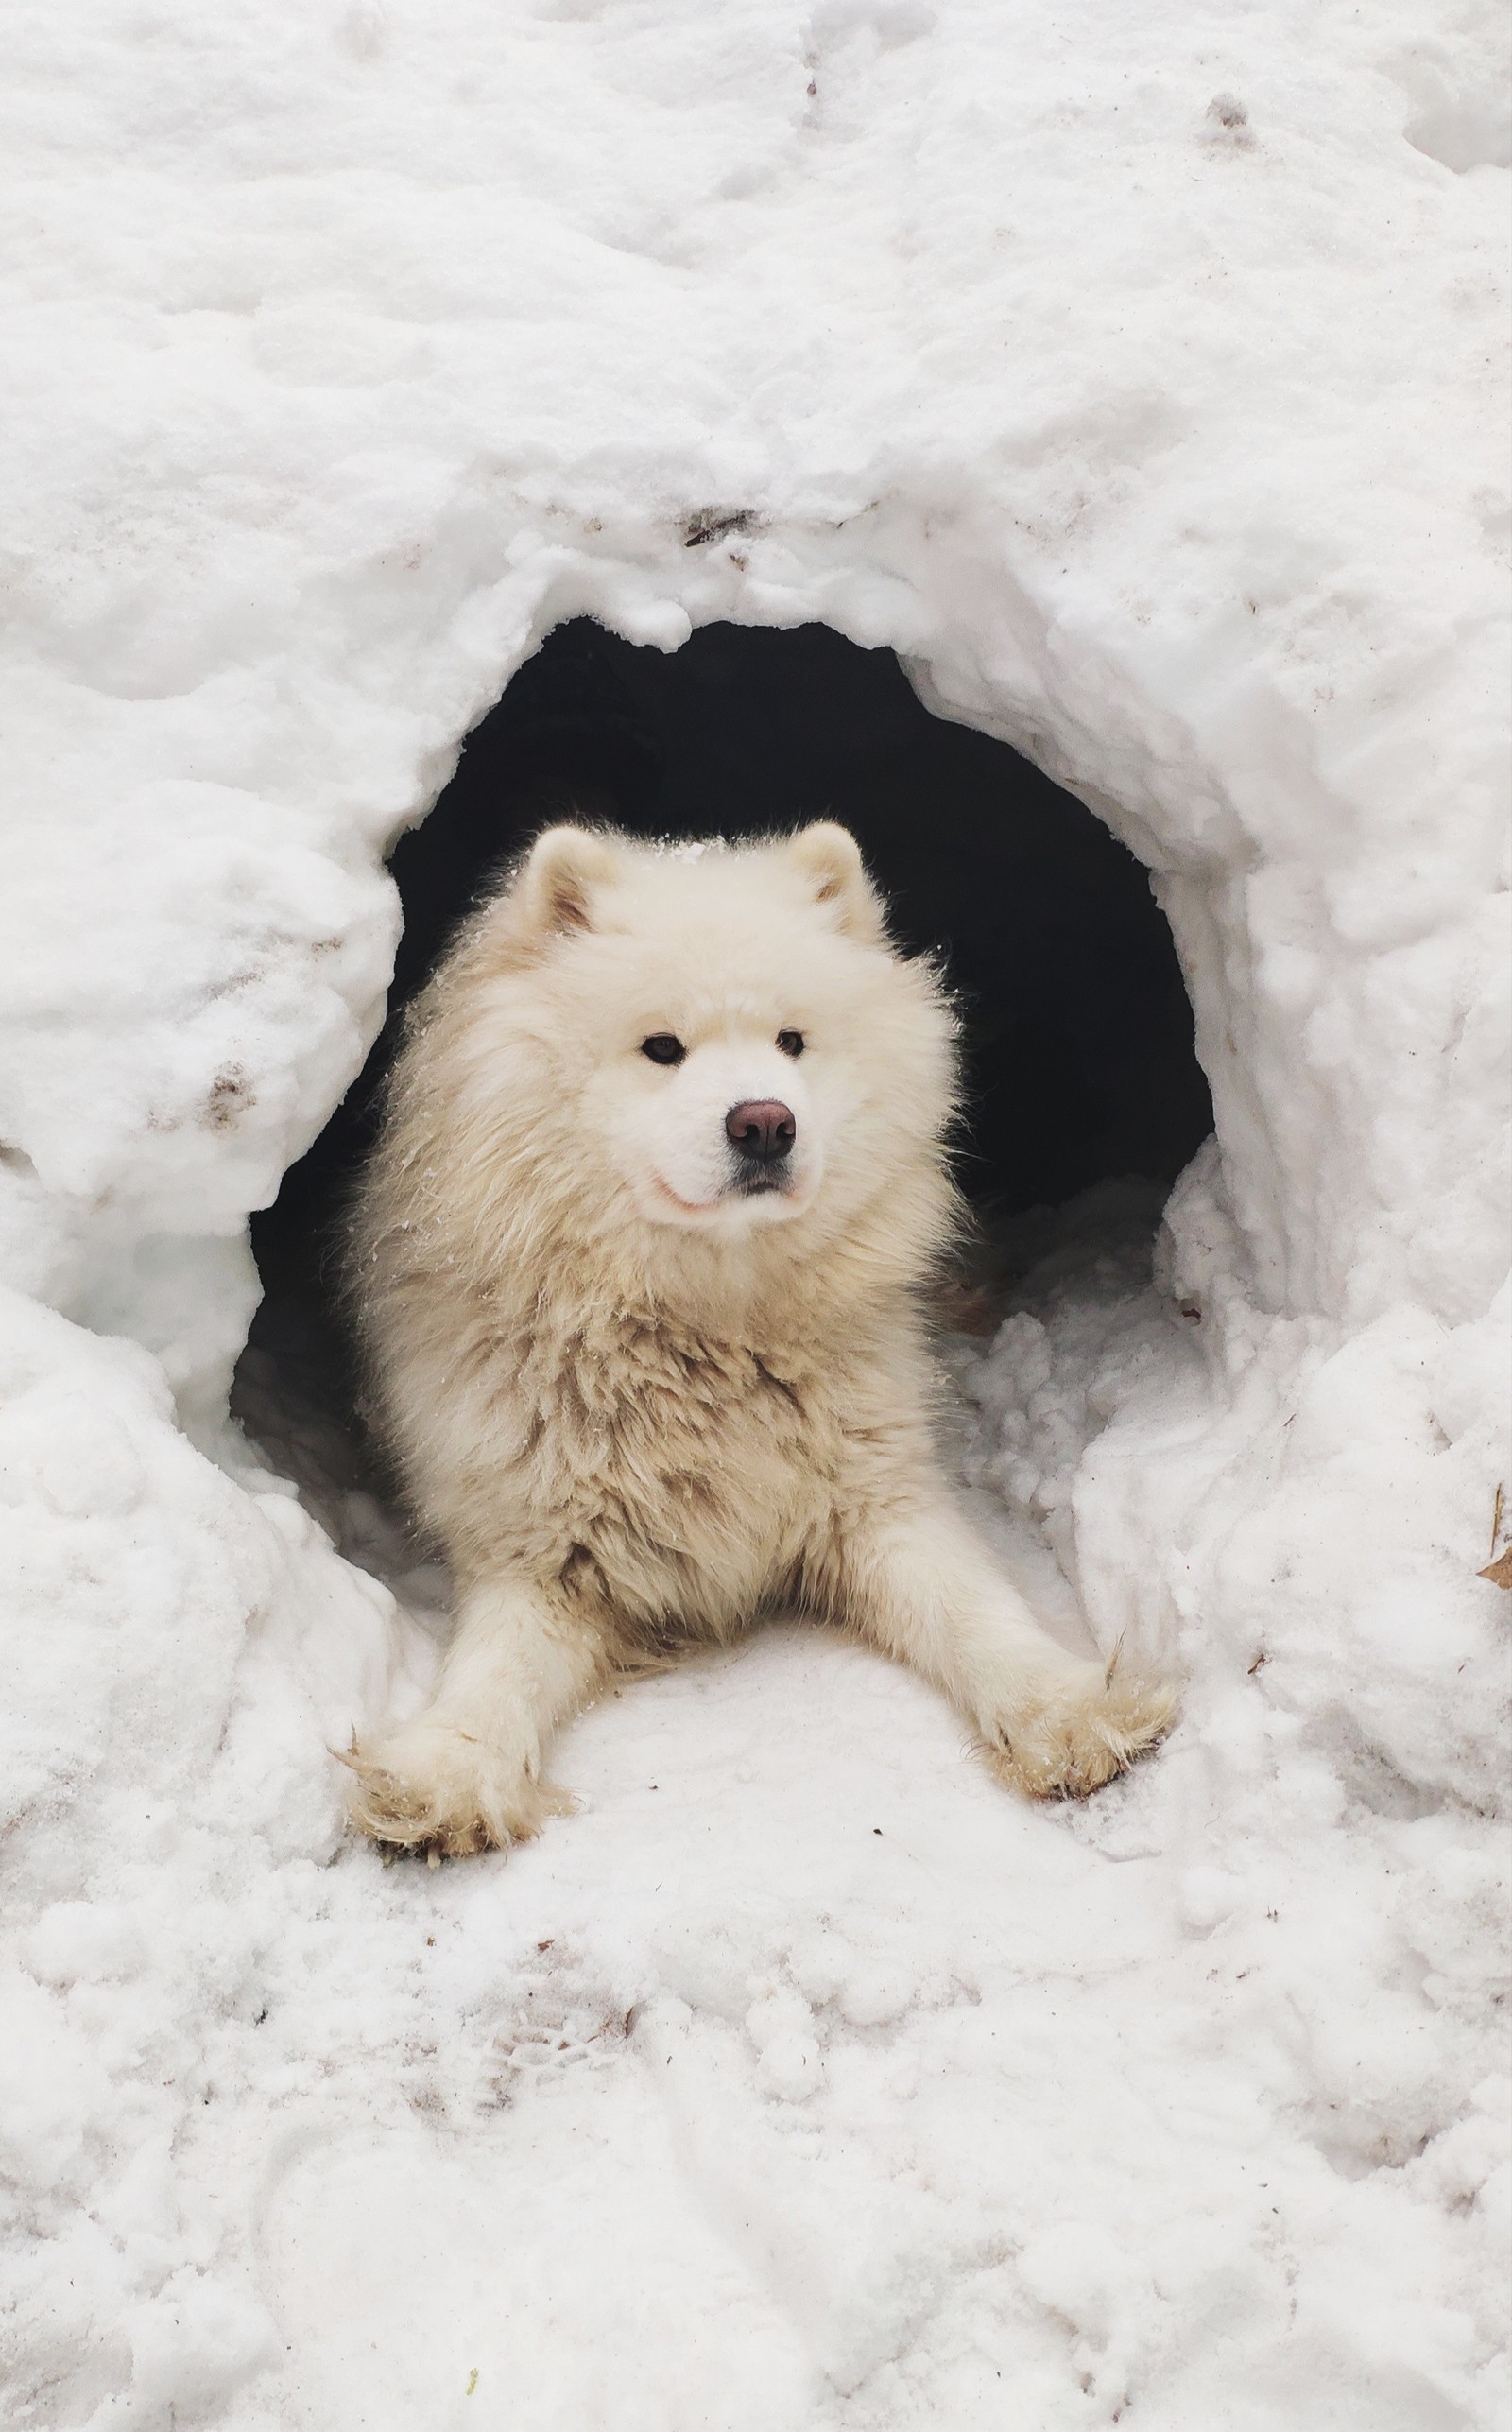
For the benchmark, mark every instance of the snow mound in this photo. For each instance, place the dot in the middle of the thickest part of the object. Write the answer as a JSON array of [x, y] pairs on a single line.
[[1131, 376]]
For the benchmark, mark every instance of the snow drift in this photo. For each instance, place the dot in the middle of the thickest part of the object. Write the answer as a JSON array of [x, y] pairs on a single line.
[[1133, 381]]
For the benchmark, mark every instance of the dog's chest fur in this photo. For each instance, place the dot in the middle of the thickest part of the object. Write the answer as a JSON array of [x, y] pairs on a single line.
[[671, 1473]]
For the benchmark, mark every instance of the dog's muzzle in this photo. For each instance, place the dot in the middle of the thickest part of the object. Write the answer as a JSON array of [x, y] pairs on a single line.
[[762, 1133]]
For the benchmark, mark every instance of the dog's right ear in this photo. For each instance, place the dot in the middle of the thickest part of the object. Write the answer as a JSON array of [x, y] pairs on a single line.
[[830, 858], [553, 893]]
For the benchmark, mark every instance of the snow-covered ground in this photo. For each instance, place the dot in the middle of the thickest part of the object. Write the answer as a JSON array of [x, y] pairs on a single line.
[[1133, 374]]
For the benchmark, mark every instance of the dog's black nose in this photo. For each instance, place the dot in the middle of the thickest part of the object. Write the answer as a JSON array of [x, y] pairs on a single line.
[[762, 1129]]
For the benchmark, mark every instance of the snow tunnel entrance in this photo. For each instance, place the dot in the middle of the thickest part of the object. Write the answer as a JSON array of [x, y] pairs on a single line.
[[1080, 1065]]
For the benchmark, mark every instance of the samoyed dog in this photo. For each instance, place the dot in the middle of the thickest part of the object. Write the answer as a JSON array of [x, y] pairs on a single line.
[[640, 1265]]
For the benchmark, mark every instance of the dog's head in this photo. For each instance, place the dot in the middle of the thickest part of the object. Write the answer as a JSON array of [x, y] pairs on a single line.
[[722, 1039]]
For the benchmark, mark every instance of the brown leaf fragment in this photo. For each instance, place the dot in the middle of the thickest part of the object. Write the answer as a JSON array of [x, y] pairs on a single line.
[[1500, 1572]]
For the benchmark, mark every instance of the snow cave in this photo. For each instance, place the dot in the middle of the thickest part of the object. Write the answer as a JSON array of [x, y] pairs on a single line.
[[1067, 445], [1079, 1061]]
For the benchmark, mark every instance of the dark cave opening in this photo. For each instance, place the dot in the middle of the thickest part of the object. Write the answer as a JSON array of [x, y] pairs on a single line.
[[1078, 1030]]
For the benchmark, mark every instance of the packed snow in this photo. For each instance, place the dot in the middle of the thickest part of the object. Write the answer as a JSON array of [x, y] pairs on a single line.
[[1134, 376]]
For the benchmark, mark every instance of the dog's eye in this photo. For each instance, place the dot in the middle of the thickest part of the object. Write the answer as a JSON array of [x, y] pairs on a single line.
[[791, 1042], [663, 1048]]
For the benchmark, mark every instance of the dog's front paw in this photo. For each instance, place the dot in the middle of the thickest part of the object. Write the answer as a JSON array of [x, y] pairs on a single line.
[[429, 1785], [1069, 1738]]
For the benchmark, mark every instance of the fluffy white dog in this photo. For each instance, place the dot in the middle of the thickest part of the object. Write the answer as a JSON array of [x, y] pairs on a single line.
[[639, 1264]]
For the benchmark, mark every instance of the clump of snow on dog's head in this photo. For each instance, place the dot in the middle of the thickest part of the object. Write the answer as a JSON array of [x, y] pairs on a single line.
[[726, 1046]]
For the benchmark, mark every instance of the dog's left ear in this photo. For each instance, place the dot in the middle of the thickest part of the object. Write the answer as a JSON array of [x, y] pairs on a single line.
[[830, 858], [553, 893]]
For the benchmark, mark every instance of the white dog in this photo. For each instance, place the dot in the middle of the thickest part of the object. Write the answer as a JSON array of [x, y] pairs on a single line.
[[640, 1265]]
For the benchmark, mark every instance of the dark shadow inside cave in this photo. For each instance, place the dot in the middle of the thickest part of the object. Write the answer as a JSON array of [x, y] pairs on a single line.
[[1079, 1035]]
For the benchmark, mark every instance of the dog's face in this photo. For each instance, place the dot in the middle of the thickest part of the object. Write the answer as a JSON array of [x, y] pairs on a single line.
[[724, 1131], [731, 1043]]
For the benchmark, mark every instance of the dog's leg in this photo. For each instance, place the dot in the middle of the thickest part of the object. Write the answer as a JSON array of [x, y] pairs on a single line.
[[922, 1586], [466, 1774]]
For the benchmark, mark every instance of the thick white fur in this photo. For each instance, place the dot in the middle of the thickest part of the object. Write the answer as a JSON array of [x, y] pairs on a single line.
[[635, 1406]]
